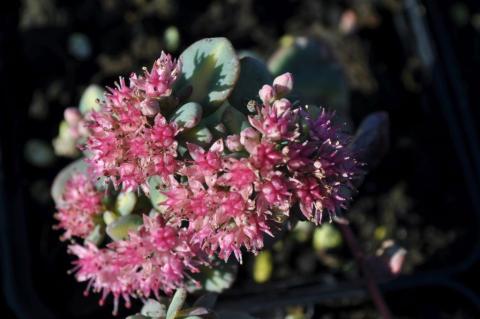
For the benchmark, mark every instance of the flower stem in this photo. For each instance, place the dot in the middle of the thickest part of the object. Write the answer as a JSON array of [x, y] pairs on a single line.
[[370, 281]]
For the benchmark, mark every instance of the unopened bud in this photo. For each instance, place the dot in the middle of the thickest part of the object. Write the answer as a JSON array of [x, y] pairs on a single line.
[[72, 116], [281, 106], [283, 84], [233, 143], [249, 138], [149, 107], [266, 94]]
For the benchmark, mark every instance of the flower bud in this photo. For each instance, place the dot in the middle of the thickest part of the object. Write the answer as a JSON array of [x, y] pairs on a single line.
[[283, 84], [249, 138], [266, 94], [233, 143], [281, 106], [149, 107], [72, 116]]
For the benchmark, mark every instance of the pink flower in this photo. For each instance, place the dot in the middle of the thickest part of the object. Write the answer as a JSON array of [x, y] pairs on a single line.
[[283, 84], [156, 258], [158, 82], [129, 140], [265, 157], [276, 191], [79, 204]]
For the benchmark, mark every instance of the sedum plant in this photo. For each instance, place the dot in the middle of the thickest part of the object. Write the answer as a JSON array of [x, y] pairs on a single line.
[[193, 162]]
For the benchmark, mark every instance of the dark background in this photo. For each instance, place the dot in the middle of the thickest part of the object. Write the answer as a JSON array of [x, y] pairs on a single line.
[[417, 60]]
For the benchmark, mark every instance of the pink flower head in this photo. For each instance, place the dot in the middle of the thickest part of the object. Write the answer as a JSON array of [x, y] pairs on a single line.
[[275, 119], [326, 167], [154, 259], [80, 202], [159, 81], [130, 140]]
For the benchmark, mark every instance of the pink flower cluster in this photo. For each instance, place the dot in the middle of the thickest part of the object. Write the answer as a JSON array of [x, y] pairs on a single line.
[[219, 200], [154, 258], [80, 203], [130, 139], [231, 201]]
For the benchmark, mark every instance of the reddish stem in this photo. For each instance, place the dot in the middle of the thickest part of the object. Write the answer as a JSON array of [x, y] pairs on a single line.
[[370, 281]]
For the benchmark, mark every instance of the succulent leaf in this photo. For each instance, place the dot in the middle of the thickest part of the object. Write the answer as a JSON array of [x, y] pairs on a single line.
[[200, 135], [253, 75], [97, 235], [177, 303], [371, 141], [154, 309], [90, 97], [263, 266], [234, 120], [157, 197], [319, 79], [120, 228], [125, 202], [187, 115], [211, 67], [79, 166]]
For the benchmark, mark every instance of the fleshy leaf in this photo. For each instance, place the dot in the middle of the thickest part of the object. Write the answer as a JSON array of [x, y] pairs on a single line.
[[79, 166], [207, 300], [234, 120], [156, 187], [97, 235], [371, 141], [217, 278], [325, 237], [187, 115], [125, 203], [263, 266], [109, 217], [319, 78], [154, 309], [211, 67], [90, 97], [253, 75], [200, 135], [177, 303], [120, 228]]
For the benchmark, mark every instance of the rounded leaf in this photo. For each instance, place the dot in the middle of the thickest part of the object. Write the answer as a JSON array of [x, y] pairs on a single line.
[[234, 120], [263, 266], [253, 75], [187, 115], [171, 38], [326, 237], [97, 235], [120, 228], [177, 303], [154, 309], [58, 186], [371, 141], [217, 278], [156, 187], [109, 217], [125, 203], [90, 98], [200, 135], [210, 67], [319, 79]]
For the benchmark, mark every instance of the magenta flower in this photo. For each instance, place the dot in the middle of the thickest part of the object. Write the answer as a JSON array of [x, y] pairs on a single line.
[[219, 200], [156, 258], [80, 203], [130, 141]]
